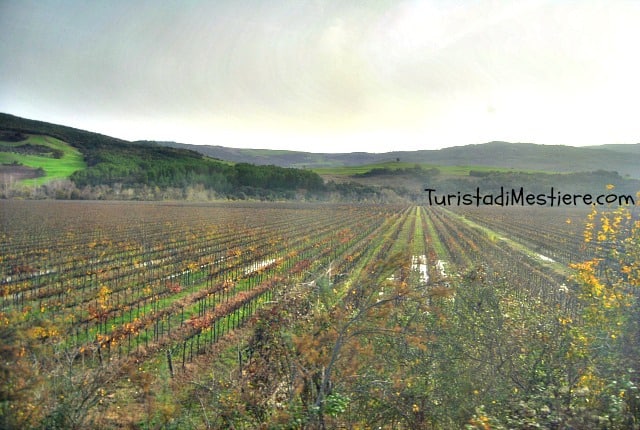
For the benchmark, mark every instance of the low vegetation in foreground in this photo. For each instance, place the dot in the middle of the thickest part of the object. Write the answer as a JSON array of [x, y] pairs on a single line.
[[150, 315]]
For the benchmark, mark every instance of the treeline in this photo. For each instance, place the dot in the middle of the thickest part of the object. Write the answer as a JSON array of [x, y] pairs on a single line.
[[6, 136], [416, 171], [141, 166], [164, 172], [578, 182], [410, 183], [595, 182], [31, 149]]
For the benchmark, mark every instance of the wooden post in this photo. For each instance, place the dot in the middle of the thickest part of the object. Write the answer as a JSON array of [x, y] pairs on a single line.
[[170, 362]]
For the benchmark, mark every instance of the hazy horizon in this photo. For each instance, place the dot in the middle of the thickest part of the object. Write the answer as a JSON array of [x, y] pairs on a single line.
[[326, 76]]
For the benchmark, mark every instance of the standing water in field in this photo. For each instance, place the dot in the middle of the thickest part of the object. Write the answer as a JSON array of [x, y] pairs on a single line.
[[545, 258], [440, 265], [257, 265], [419, 263]]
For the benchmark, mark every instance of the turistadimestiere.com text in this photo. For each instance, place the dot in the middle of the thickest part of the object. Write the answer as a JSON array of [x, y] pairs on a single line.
[[520, 197]]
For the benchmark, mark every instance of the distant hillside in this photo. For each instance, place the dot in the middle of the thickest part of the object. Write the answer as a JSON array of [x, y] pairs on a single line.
[[40, 159], [281, 158], [629, 148], [624, 159], [113, 168], [551, 158]]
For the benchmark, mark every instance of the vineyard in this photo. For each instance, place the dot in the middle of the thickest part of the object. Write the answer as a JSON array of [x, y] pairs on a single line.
[[283, 315]]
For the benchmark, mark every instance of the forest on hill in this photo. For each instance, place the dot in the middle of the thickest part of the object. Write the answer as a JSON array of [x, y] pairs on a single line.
[[120, 169]]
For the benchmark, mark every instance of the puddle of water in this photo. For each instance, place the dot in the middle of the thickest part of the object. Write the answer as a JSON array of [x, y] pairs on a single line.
[[440, 265], [419, 263], [258, 265], [545, 258]]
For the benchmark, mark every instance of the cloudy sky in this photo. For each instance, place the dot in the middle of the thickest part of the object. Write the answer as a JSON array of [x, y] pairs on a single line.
[[327, 76]]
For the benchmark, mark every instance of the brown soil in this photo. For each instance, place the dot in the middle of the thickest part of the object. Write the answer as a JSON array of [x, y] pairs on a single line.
[[11, 172]]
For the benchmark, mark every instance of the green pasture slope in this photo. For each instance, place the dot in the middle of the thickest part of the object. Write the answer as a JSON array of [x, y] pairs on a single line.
[[54, 168]]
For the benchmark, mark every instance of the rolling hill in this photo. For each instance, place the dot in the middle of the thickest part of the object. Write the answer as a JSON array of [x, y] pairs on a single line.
[[624, 159], [98, 166], [104, 166], [629, 149]]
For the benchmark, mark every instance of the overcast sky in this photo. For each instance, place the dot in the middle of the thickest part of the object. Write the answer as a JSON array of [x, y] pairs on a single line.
[[327, 76]]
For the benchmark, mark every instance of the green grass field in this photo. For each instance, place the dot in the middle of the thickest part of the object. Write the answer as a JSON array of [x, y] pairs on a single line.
[[393, 165], [55, 168]]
